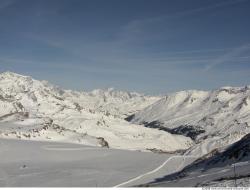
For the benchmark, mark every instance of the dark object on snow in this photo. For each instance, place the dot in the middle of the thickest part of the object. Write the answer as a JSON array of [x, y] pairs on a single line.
[[103, 142], [130, 118]]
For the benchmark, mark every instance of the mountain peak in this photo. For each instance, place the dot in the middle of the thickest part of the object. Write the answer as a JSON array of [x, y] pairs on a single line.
[[14, 76], [9, 73]]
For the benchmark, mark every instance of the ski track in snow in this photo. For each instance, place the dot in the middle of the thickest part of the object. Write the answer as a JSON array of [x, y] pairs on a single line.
[[155, 170], [34, 110]]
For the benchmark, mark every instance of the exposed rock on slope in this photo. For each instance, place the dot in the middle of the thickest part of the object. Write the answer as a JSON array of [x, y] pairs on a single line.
[[37, 110], [212, 118], [237, 154]]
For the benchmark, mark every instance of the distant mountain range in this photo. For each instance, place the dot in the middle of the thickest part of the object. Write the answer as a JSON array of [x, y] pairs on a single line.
[[36, 110], [212, 119], [194, 122]]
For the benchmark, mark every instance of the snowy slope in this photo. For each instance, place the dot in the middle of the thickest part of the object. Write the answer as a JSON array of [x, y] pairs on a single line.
[[218, 168], [235, 153], [111, 102], [32, 92], [51, 164], [37, 110], [212, 119]]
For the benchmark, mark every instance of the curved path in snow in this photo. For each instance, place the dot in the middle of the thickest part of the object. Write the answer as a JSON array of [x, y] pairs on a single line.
[[156, 170], [51, 164]]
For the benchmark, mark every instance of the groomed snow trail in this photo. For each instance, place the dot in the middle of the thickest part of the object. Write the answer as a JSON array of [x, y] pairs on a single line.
[[50, 164], [155, 170]]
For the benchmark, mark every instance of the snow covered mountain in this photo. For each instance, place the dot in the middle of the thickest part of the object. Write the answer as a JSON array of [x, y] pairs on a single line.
[[221, 167], [111, 102], [213, 119], [235, 153], [206, 125], [199, 121], [37, 110]]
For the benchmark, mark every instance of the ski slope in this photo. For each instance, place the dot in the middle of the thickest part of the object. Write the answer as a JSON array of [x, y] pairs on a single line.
[[218, 167], [55, 137], [49, 164]]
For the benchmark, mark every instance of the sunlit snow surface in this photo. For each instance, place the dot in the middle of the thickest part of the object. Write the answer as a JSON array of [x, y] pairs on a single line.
[[28, 163], [36, 110], [198, 122], [219, 117]]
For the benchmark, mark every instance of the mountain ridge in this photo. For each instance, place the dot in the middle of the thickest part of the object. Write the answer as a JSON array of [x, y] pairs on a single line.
[[212, 118], [37, 110], [192, 120]]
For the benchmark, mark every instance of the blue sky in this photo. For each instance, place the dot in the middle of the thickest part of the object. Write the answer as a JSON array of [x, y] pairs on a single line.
[[149, 46]]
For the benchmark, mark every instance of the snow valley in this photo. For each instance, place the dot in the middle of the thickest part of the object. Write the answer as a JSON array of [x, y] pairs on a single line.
[[36, 110], [152, 129]]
